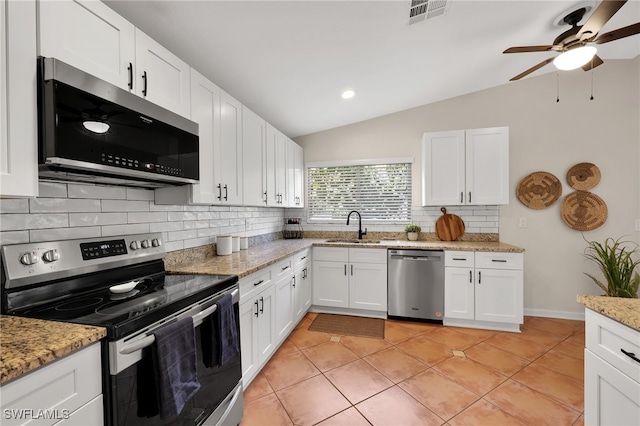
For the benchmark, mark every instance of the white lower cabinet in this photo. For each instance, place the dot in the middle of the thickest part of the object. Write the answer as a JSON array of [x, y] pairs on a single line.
[[67, 391], [353, 278], [484, 290], [272, 301], [611, 376]]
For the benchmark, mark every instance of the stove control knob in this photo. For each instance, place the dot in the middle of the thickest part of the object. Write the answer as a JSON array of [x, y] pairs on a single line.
[[135, 245], [146, 244], [156, 242], [51, 255], [29, 258]]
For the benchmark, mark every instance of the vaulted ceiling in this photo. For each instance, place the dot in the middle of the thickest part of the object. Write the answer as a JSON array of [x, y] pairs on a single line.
[[290, 60]]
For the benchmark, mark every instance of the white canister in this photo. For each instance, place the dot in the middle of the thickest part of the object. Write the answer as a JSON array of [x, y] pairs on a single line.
[[235, 244], [244, 243], [223, 245]]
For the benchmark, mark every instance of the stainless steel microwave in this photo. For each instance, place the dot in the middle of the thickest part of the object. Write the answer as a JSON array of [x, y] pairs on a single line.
[[92, 131]]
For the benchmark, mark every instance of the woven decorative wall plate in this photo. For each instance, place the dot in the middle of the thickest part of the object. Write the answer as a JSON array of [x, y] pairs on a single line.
[[583, 211], [583, 176], [539, 190]]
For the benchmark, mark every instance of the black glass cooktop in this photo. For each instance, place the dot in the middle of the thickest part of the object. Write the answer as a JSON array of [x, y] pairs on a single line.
[[153, 298]]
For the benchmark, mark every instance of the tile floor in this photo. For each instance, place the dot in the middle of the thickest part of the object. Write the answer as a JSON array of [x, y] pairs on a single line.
[[413, 377]]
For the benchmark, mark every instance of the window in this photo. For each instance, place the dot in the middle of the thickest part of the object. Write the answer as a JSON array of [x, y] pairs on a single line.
[[381, 192]]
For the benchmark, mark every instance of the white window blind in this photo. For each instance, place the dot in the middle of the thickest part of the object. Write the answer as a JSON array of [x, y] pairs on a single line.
[[380, 192]]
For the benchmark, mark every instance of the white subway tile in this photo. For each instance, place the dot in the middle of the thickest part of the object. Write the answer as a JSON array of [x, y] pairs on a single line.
[[182, 235], [14, 237], [206, 232], [196, 224], [97, 191], [137, 228], [125, 206], [196, 208], [182, 216], [197, 242], [15, 205], [140, 194], [166, 208], [47, 189], [18, 222], [173, 245], [166, 226], [64, 234], [146, 217], [62, 205], [91, 219], [207, 215]]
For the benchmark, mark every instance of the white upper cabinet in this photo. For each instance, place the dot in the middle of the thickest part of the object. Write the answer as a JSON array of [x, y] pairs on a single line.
[[295, 157], [18, 116], [466, 167], [161, 77], [230, 158], [90, 36], [276, 174], [254, 133]]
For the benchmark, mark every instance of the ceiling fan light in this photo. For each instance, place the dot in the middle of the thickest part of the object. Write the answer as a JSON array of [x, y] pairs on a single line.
[[574, 58]]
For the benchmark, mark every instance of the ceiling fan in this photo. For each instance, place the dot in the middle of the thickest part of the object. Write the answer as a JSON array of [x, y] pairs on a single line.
[[575, 44]]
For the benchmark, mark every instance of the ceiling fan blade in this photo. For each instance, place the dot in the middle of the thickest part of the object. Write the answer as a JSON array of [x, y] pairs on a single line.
[[532, 69], [618, 34], [595, 62], [600, 16], [522, 49]]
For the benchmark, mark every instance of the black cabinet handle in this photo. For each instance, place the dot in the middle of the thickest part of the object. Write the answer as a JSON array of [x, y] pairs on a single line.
[[294, 281], [470, 276], [303, 257], [144, 87], [461, 197], [226, 193], [130, 69], [469, 196], [630, 355], [265, 197], [499, 260], [479, 277], [219, 192], [345, 269], [351, 270], [256, 303], [459, 258], [284, 268], [262, 305], [304, 273], [259, 282]]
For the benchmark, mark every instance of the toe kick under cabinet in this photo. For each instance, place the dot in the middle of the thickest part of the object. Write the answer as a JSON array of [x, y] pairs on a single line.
[[483, 290]]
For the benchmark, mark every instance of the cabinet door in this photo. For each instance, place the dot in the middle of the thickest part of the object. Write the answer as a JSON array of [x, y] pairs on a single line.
[[499, 295], [281, 170], [230, 149], [610, 397], [459, 293], [331, 284], [270, 164], [266, 324], [162, 77], [368, 286], [443, 168], [249, 338], [253, 158], [487, 166], [90, 36], [284, 308], [18, 116], [302, 298], [297, 200]]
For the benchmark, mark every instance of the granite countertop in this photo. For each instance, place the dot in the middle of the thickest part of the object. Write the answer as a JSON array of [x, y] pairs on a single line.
[[623, 310], [26, 343], [246, 262]]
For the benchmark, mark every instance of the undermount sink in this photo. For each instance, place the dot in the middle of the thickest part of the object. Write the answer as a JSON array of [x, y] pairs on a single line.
[[355, 241]]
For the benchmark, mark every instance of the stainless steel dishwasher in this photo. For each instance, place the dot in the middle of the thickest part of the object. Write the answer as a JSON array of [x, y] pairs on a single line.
[[416, 284]]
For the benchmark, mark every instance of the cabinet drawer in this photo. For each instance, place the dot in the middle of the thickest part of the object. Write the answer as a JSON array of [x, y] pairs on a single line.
[[251, 284], [301, 258], [367, 255], [282, 268], [65, 384], [608, 338], [331, 254], [498, 260], [462, 259]]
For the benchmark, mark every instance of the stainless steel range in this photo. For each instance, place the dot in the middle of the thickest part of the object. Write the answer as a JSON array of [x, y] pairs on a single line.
[[120, 283]]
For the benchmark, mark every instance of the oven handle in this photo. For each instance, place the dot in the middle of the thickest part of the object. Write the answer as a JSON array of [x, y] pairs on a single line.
[[148, 341]]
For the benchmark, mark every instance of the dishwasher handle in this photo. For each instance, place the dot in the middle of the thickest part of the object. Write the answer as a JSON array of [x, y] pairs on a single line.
[[418, 258]]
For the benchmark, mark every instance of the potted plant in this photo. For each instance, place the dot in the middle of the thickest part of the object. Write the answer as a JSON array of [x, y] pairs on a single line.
[[617, 263], [412, 231]]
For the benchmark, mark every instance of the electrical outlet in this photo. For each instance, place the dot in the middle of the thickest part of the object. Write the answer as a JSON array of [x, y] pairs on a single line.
[[522, 223]]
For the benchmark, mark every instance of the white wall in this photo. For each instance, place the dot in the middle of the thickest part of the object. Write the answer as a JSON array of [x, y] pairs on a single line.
[[544, 135]]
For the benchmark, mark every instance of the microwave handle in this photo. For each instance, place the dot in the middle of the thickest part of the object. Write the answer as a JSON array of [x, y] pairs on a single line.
[[148, 341]]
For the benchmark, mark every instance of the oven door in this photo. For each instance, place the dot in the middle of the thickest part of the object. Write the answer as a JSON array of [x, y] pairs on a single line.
[[218, 401]]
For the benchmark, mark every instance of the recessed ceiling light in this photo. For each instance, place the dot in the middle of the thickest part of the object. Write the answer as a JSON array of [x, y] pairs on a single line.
[[348, 94]]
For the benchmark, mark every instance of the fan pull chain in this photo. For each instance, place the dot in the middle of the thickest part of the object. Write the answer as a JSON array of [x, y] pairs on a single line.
[[557, 86], [591, 79]]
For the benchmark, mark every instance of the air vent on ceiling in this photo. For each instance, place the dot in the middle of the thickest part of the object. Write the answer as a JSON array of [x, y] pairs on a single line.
[[419, 10]]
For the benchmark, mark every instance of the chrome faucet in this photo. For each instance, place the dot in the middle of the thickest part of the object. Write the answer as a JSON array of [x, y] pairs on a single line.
[[360, 233]]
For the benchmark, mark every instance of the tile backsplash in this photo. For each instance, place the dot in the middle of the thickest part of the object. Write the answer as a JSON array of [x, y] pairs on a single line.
[[68, 211]]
